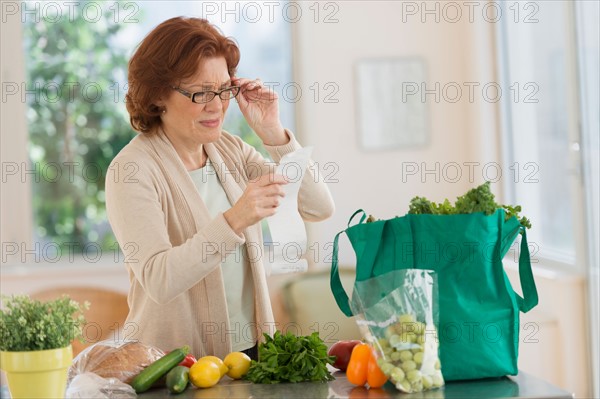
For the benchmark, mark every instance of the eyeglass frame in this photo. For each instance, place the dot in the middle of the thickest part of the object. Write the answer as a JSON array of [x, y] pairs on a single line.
[[214, 93]]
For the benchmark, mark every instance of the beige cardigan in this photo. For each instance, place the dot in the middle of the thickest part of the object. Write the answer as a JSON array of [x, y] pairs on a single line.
[[173, 249]]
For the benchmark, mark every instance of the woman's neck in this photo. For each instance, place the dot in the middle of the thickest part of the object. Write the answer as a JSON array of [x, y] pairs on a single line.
[[192, 155]]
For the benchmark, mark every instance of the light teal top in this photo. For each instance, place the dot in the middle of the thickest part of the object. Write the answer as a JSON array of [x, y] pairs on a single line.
[[239, 289]]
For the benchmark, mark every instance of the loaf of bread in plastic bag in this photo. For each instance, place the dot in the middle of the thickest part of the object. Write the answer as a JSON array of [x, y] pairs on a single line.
[[122, 360]]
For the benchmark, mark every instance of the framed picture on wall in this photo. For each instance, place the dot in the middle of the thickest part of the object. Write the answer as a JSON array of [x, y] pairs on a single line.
[[390, 110]]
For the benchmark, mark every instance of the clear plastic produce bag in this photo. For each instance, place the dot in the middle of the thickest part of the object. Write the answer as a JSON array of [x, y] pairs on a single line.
[[118, 360], [90, 385], [397, 314]]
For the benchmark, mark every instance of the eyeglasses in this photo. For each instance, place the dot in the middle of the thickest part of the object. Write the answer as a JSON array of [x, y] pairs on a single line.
[[202, 97]]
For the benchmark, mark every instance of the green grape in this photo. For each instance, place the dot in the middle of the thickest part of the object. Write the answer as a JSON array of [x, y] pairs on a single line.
[[413, 375], [417, 385], [389, 332], [387, 368], [418, 358], [403, 354], [403, 386], [406, 355], [408, 337], [408, 366], [395, 340], [383, 342], [427, 382], [404, 338], [419, 328], [397, 374], [405, 327], [437, 380], [398, 328], [406, 318]]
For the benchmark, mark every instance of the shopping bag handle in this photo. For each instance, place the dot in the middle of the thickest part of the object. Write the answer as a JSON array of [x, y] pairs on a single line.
[[530, 295], [334, 281], [362, 218]]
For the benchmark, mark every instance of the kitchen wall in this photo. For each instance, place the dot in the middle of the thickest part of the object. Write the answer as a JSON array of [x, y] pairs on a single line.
[[553, 341]]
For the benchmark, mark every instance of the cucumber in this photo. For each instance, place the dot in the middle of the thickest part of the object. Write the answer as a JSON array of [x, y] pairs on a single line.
[[177, 379], [144, 380]]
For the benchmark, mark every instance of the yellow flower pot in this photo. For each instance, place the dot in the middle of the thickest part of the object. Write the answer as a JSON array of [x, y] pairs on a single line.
[[37, 374]]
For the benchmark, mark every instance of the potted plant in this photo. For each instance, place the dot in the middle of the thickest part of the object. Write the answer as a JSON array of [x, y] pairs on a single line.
[[35, 344]]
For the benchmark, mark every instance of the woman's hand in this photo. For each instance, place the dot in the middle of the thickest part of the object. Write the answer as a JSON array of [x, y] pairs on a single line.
[[260, 200], [259, 105]]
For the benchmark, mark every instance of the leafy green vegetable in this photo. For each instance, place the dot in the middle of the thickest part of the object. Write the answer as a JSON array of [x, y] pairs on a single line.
[[479, 199], [290, 358]]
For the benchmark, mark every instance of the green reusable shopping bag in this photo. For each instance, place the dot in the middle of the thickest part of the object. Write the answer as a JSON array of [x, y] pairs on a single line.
[[478, 308]]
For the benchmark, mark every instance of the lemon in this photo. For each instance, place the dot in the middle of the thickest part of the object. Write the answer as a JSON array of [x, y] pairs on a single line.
[[237, 364], [218, 362], [204, 373]]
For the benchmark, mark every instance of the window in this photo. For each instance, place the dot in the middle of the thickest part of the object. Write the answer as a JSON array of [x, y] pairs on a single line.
[[551, 132], [541, 140], [76, 61], [588, 49]]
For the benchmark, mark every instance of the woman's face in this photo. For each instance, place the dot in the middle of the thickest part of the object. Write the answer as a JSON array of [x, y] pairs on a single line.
[[198, 123]]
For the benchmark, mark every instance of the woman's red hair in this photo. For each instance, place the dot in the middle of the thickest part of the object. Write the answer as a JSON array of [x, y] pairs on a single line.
[[170, 53]]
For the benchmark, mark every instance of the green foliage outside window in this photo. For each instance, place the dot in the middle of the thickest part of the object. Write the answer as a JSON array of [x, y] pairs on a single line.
[[76, 125]]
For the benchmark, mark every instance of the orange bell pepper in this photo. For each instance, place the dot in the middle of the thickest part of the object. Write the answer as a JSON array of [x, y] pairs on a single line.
[[363, 368], [375, 377], [357, 366]]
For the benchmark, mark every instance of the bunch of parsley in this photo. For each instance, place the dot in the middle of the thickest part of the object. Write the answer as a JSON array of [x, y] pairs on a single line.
[[479, 199], [290, 358]]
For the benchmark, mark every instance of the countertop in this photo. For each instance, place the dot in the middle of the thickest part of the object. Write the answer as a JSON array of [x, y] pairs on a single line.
[[521, 386]]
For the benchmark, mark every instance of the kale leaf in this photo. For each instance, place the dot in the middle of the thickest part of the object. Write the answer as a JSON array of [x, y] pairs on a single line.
[[478, 199]]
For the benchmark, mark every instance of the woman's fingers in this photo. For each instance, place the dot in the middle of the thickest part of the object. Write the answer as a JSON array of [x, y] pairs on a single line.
[[236, 81], [253, 90], [270, 192], [261, 199], [271, 178], [246, 84]]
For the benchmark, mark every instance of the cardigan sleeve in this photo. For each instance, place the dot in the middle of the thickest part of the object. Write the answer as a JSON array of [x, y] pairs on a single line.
[[133, 204], [314, 199]]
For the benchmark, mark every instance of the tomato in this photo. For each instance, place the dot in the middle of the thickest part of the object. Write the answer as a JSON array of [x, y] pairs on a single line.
[[188, 361], [357, 367]]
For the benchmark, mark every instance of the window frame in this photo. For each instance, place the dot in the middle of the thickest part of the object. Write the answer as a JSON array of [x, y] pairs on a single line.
[[549, 258], [16, 215]]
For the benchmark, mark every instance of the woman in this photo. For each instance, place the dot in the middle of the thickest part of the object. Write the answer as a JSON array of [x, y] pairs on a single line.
[[185, 198]]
